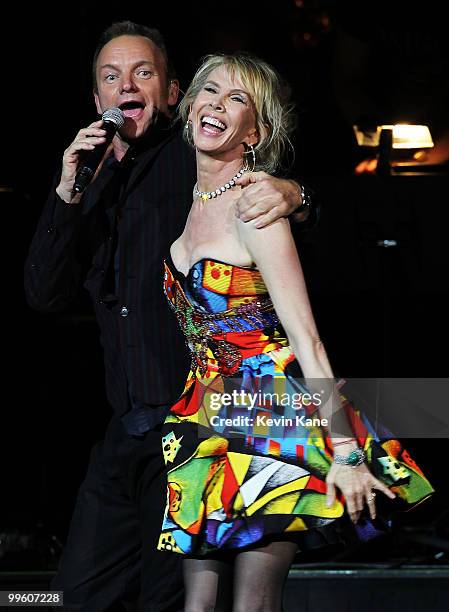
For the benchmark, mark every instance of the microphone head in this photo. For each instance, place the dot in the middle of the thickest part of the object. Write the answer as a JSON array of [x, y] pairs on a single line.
[[114, 115]]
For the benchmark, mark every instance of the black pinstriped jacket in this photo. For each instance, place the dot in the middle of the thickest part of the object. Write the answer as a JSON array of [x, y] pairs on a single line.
[[139, 205]]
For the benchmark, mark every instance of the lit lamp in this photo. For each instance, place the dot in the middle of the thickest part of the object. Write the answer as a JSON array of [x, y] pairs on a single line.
[[403, 136]]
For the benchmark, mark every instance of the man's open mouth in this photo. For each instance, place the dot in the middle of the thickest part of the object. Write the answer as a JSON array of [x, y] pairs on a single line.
[[133, 108]]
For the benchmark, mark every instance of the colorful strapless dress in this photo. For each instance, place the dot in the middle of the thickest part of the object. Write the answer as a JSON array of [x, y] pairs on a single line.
[[241, 468]]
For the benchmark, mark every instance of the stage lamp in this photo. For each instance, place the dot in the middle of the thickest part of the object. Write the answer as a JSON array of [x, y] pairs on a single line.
[[403, 137]]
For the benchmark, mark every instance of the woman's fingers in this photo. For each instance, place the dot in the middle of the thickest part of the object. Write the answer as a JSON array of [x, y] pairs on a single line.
[[370, 497], [355, 516], [377, 484], [330, 494], [354, 504], [357, 486]]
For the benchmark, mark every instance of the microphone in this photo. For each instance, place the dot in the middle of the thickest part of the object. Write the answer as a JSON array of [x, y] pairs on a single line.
[[113, 119]]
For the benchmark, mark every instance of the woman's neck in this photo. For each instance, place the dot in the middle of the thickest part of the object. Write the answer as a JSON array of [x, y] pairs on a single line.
[[213, 173]]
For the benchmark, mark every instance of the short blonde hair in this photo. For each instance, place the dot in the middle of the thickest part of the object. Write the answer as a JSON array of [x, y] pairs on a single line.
[[270, 95]]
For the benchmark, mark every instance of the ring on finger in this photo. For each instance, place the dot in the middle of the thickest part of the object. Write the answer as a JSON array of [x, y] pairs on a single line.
[[372, 496]]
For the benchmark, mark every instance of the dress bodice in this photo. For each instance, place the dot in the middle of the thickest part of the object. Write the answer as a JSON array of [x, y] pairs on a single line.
[[213, 286], [217, 305]]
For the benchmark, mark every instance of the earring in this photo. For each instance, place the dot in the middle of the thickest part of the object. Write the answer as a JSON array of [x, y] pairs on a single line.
[[188, 132], [250, 151]]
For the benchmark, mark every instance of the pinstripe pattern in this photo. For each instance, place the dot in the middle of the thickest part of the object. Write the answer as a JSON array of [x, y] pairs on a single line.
[[145, 356]]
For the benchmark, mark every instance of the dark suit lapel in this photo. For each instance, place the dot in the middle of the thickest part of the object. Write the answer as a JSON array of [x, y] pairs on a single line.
[[147, 150]]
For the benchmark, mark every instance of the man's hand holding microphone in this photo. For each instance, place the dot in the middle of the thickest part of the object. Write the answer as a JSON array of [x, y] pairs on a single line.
[[82, 159]]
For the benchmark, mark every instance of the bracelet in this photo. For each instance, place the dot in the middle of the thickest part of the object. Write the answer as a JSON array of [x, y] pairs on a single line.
[[305, 200], [344, 441], [355, 458]]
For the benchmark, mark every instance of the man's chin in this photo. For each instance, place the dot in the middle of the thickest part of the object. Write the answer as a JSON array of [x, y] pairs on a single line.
[[131, 133]]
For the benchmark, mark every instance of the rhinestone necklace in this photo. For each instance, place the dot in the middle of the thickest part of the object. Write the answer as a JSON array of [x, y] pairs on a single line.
[[208, 195]]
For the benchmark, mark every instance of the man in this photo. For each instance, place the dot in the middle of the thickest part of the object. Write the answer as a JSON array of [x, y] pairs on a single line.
[[113, 238]]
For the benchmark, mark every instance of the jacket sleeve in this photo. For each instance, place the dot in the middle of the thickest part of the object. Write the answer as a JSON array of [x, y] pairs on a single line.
[[313, 218], [53, 269]]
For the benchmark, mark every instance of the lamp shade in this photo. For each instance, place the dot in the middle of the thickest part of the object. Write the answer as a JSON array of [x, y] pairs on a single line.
[[405, 136]]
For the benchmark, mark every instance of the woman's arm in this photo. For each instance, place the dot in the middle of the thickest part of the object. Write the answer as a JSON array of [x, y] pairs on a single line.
[[274, 252]]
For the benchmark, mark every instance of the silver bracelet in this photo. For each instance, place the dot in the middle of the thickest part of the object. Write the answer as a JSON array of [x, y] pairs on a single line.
[[355, 458]]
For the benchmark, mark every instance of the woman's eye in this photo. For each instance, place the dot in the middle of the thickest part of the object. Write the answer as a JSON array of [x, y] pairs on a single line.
[[209, 88], [239, 99]]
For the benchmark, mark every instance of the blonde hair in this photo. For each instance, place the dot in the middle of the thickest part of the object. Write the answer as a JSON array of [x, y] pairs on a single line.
[[270, 95]]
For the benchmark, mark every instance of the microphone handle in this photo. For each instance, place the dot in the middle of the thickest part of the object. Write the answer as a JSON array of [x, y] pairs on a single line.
[[86, 172]]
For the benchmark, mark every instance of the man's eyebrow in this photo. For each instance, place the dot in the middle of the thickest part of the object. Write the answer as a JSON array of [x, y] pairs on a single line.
[[139, 63]]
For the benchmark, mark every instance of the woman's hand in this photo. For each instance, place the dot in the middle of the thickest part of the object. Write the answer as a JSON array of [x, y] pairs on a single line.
[[356, 484]]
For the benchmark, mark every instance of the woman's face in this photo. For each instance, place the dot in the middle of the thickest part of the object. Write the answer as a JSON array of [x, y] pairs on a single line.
[[223, 116]]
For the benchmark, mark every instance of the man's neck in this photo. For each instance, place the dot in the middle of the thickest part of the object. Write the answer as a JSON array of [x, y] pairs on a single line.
[[156, 132], [120, 148]]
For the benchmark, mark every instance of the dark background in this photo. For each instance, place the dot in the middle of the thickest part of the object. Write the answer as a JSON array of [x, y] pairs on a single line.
[[381, 312]]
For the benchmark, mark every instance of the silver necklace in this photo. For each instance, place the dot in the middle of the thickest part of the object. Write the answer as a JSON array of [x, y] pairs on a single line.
[[208, 195]]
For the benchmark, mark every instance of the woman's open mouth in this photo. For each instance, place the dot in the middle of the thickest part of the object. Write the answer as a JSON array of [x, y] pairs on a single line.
[[212, 125]]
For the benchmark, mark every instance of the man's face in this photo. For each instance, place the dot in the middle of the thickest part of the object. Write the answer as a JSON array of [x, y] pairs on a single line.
[[131, 74]]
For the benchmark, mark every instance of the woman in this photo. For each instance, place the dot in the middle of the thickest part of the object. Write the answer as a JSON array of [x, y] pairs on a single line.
[[245, 492]]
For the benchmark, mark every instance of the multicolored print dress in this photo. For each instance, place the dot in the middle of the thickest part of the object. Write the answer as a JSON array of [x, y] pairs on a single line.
[[241, 468]]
